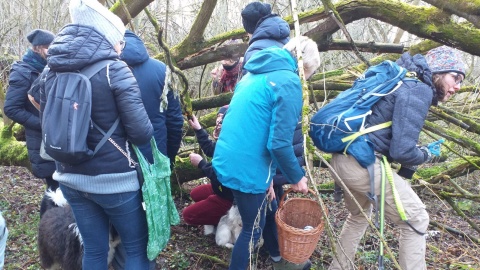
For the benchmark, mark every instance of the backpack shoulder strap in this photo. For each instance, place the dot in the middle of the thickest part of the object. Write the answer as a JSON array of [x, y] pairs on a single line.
[[89, 71], [106, 135], [92, 69]]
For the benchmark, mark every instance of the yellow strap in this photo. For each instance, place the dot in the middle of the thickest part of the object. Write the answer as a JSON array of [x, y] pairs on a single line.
[[357, 134], [367, 130], [396, 196]]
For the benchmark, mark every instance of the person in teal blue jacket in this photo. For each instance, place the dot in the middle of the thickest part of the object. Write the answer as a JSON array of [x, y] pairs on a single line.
[[256, 138]]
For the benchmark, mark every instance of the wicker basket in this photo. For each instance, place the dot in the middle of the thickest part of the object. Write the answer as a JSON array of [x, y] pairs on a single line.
[[297, 244]]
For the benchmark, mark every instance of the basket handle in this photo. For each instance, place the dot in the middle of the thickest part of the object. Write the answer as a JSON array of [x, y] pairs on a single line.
[[282, 200]]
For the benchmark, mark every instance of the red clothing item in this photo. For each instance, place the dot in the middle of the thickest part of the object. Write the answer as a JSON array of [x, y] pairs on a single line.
[[208, 207]]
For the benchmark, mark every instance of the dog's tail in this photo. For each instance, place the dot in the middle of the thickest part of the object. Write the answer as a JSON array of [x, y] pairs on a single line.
[[56, 197], [52, 199]]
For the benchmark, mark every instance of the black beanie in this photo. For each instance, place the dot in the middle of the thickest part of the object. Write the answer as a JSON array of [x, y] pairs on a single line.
[[252, 13], [40, 37]]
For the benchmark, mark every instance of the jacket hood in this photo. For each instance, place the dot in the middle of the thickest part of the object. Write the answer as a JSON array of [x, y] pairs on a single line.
[[271, 59], [135, 51], [272, 27], [77, 46], [418, 64]]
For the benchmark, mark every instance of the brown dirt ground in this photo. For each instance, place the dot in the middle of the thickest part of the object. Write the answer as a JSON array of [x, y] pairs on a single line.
[[20, 195]]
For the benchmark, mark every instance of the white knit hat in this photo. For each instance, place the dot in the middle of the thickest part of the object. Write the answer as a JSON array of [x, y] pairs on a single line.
[[92, 13]]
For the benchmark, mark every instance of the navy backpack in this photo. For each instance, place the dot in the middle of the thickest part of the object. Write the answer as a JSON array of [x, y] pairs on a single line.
[[66, 117]]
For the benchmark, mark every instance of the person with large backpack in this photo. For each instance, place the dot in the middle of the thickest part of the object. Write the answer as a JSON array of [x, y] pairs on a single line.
[[102, 186], [162, 106], [23, 76], [436, 77]]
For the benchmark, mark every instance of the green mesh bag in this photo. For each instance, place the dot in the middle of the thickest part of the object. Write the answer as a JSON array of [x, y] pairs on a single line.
[[158, 200]]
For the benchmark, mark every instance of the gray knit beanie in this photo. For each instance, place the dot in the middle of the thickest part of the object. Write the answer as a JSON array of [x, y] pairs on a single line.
[[92, 13], [40, 37]]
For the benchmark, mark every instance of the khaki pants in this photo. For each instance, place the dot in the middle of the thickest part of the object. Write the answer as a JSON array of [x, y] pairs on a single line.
[[356, 178]]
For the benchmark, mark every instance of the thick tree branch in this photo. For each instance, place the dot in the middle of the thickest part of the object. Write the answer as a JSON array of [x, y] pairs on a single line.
[[453, 136], [201, 21], [134, 7], [469, 10], [425, 22]]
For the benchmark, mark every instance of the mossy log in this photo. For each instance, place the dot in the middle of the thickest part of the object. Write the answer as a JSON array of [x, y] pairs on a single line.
[[12, 152]]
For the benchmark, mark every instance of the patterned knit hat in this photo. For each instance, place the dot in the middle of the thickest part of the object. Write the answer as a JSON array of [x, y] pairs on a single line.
[[92, 13], [40, 37], [252, 13], [445, 59]]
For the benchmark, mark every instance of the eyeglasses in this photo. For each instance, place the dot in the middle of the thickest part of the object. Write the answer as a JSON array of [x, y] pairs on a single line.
[[457, 77], [122, 44]]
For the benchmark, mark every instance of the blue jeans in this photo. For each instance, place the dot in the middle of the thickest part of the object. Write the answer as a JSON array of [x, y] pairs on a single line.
[[94, 212], [250, 206], [3, 240]]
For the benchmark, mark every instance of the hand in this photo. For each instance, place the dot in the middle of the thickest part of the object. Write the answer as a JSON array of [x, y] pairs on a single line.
[[195, 159], [434, 147], [270, 193], [194, 123], [35, 103], [301, 186]]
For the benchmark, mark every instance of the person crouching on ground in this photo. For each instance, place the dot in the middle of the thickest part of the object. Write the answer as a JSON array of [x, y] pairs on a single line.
[[213, 200]]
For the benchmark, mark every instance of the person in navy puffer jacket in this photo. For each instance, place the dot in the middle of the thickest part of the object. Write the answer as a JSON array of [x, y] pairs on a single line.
[[162, 108], [105, 189], [23, 76], [264, 28]]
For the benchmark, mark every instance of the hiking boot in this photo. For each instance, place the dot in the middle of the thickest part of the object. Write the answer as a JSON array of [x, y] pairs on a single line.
[[337, 193], [286, 265], [337, 196]]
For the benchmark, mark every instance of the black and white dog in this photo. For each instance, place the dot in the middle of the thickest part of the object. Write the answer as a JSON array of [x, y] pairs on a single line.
[[59, 241]]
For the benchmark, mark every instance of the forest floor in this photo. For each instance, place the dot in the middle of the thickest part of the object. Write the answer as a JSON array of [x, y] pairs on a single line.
[[188, 248]]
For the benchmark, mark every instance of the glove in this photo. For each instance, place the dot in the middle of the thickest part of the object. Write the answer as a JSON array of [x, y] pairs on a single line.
[[427, 152], [434, 147], [407, 171]]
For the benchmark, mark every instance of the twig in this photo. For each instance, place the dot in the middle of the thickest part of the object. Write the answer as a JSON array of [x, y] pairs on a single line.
[[152, 20], [452, 150], [329, 228], [129, 16], [454, 231], [184, 95], [208, 257], [459, 211], [330, 8]]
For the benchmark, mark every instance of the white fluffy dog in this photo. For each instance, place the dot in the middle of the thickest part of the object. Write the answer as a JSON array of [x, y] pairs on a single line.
[[228, 229]]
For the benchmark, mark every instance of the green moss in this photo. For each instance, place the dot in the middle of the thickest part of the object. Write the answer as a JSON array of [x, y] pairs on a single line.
[[427, 173], [327, 185]]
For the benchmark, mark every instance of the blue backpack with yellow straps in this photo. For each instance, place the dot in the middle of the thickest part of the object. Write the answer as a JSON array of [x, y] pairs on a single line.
[[340, 127]]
